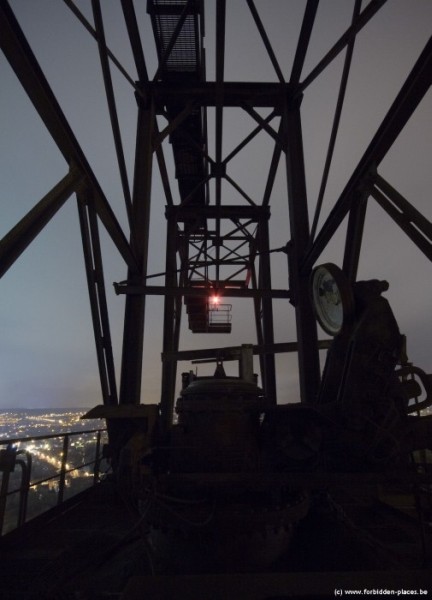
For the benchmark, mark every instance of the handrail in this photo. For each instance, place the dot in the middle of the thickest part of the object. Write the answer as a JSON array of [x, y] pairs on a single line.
[[7, 466], [48, 436]]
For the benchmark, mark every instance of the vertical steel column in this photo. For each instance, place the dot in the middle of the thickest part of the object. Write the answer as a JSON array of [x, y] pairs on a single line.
[[308, 356], [133, 332], [96, 468], [24, 487], [177, 326], [62, 478], [258, 323], [8, 461], [220, 62], [269, 376], [171, 332], [3, 497], [98, 303]]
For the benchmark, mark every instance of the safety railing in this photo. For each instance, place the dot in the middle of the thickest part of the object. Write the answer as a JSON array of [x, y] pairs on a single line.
[[219, 317], [48, 453]]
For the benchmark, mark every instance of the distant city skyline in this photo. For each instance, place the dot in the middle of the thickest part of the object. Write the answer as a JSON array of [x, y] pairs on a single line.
[[47, 354], [44, 421]]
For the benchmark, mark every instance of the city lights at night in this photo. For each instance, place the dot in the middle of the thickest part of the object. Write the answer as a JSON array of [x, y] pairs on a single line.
[[37, 438]]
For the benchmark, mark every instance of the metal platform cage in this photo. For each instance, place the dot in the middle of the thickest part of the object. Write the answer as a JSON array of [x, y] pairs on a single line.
[[219, 314]]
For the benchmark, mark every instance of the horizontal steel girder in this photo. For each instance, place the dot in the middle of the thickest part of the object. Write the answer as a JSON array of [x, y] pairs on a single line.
[[234, 352], [228, 292], [189, 212], [271, 95]]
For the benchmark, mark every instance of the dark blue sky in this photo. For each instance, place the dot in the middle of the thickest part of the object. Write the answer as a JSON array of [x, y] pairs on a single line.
[[47, 355]]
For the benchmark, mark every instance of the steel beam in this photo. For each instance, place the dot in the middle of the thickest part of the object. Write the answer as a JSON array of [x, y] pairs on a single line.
[[133, 333], [134, 38], [112, 108], [133, 32], [173, 8], [28, 71], [411, 94], [336, 121], [169, 338], [262, 122], [248, 138], [404, 220], [79, 15], [163, 172], [351, 32], [354, 236], [227, 292], [303, 43], [239, 190], [264, 278], [233, 352], [256, 94], [277, 152], [20, 237], [308, 356], [98, 303], [190, 212], [219, 106], [176, 338], [265, 40], [221, 261], [173, 124], [138, 54], [258, 322], [411, 214], [241, 227]]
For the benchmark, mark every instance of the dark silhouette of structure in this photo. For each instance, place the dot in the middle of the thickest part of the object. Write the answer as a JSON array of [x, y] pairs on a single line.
[[242, 496]]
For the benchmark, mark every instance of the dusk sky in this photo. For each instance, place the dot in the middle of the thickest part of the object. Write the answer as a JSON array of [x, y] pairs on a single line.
[[47, 353]]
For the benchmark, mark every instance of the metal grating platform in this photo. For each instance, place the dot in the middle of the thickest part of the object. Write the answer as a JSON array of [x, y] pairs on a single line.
[[178, 33]]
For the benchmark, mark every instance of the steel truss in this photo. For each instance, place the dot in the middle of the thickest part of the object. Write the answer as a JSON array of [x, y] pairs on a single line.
[[221, 246]]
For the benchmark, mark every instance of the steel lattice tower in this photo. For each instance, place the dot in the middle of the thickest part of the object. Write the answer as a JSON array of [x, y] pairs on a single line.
[[212, 246]]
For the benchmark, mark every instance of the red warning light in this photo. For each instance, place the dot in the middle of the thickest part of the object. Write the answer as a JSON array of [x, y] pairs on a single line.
[[214, 300]]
